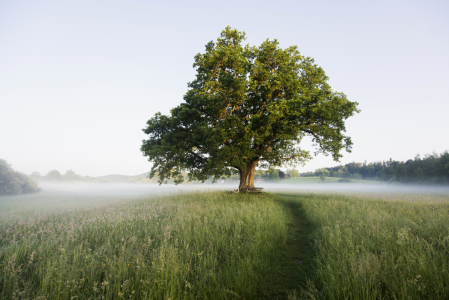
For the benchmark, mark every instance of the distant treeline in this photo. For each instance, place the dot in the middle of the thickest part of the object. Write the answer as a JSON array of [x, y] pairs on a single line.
[[13, 182], [431, 169], [71, 176]]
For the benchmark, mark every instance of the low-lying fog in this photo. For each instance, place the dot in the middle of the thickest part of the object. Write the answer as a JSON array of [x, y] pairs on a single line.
[[330, 187], [61, 197], [109, 189], [135, 189]]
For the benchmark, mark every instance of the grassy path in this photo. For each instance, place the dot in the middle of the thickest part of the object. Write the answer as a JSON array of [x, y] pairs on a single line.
[[297, 266]]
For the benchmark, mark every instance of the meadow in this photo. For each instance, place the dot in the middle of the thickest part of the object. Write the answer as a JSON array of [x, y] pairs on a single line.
[[218, 245]]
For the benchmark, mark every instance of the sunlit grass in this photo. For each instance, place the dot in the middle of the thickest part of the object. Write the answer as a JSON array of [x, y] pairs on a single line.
[[216, 245], [376, 249], [193, 246]]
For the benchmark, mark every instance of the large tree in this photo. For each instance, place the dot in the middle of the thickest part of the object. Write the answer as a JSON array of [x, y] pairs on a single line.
[[247, 107]]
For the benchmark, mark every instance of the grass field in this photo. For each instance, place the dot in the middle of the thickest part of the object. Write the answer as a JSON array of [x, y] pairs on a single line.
[[216, 245]]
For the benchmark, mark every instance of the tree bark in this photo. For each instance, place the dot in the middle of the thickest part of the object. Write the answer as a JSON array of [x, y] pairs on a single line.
[[247, 175]]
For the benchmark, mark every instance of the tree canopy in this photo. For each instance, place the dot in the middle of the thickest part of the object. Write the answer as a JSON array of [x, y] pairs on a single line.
[[53, 175], [247, 107]]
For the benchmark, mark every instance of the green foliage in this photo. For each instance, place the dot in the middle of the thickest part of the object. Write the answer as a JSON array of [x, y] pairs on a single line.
[[432, 169], [273, 175], [323, 172], [248, 106], [53, 175], [282, 175], [294, 173], [70, 175], [356, 176], [322, 177], [13, 182]]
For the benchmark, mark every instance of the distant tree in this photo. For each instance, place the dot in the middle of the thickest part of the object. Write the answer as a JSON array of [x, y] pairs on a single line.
[[340, 173], [419, 174], [401, 172], [271, 175], [70, 176], [389, 172], [281, 175], [352, 168], [294, 173], [10, 184], [322, 171], [443, 165], [356, 176], [370, 170], [322, 177], [13, 182], [28, 185], [53, 175], [247, 107]]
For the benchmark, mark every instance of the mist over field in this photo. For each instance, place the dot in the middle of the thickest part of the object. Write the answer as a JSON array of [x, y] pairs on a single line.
[[63, 197], [108, 189], [124, 190], [360, 188]]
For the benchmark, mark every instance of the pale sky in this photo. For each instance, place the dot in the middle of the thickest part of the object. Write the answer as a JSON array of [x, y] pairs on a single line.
[[79, 79]]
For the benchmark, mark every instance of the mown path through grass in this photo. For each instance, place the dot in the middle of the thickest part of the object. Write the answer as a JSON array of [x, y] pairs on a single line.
[[297, 266]]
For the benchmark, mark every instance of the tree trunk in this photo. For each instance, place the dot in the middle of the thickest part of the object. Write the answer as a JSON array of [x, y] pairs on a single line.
[[247, 175]]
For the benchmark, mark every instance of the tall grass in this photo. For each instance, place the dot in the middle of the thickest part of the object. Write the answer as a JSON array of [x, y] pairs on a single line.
[[377, 249], [216, 245], [191, 246]]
